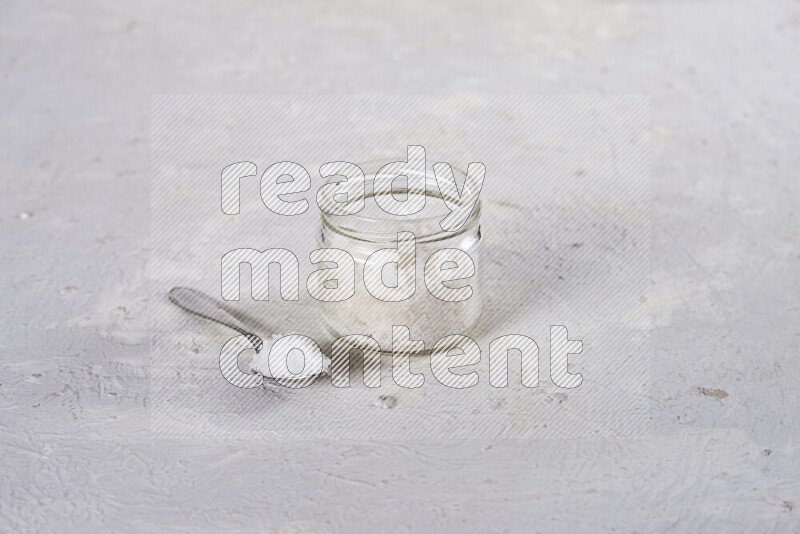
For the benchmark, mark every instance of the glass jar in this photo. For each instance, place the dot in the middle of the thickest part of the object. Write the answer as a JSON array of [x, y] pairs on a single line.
[[428, 318]]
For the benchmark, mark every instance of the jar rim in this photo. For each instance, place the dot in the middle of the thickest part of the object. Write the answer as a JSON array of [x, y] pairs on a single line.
[[384, 229]]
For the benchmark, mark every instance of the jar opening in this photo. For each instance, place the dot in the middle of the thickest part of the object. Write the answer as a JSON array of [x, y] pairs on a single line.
[[374, 224]]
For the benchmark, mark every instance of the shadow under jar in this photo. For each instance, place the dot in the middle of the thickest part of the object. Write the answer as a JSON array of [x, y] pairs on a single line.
[[372, 229]]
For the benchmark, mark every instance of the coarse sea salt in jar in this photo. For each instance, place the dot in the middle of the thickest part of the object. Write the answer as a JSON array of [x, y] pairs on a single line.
[[391, 252]]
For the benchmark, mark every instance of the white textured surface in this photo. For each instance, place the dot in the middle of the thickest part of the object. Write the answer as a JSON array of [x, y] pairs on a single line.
[[76, 87]]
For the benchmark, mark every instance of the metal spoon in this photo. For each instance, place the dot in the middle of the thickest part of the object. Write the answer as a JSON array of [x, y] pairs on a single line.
[[202, 305]]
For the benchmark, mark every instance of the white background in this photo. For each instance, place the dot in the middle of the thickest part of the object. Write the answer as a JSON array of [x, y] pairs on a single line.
[[76, 84]]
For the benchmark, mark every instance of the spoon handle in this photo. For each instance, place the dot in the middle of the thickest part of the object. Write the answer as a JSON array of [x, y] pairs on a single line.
[[199, 303]]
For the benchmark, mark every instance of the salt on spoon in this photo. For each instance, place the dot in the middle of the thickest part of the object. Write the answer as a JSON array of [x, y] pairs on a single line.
[[309, 359]]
